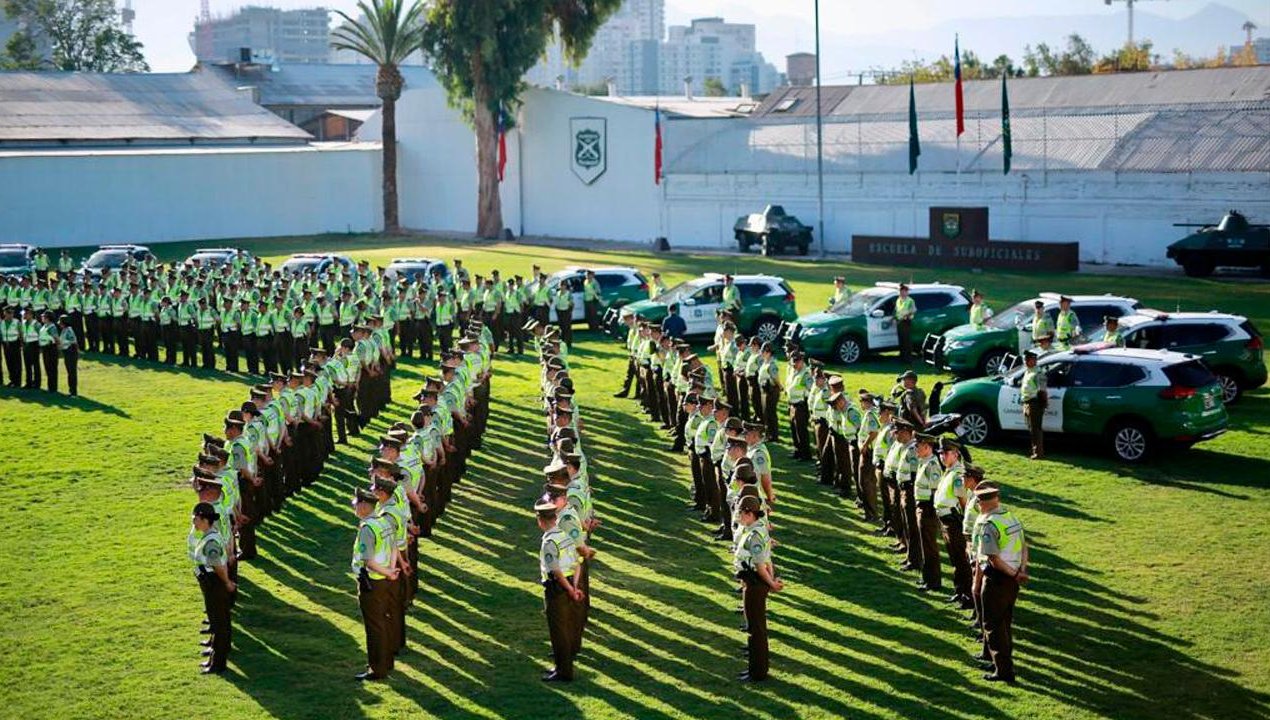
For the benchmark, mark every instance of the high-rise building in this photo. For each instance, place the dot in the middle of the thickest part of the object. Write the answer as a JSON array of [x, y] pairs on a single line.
[[633, 52], [1261, 46], [270, 34]]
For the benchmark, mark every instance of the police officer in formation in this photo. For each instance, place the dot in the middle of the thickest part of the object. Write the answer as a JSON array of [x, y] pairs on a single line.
[[411, 476], [566, 514]]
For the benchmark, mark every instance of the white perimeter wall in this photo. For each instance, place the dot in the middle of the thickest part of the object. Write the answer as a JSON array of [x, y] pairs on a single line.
[[1117, 218], [151, 196]]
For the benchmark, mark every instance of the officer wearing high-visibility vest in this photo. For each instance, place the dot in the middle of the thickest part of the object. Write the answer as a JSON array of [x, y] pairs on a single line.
[[979, 313], [866, 471], [950, 504], [209, 554], [1001, 558], [68, 344], [798, 385], [206, 324], [769, 383], [562, 303], [761, 457], [591, 300], [48, 349], [1041, 323], [1034, 396], [11, 338], [558, 566], [1067, 330], [40, 264], [375, 571], [65, 265], [839, 422], [731, 298], [1111, 331], [752, 565], [905, 310], [387, 480], [230, 324], [841, 293], [655, 286], [898, 469], [926, 480]]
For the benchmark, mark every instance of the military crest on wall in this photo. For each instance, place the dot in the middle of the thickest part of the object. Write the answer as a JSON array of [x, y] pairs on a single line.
[[588, 147], [951, 225]]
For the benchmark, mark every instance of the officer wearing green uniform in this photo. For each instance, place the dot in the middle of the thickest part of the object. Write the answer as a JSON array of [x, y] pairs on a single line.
[[375, 571], [11, 338], [798, 386], [591, 300], [905, 310], [979, 313], [1041, 323], [950, 504], [208, 553], [1067, 330], [731, 296], [1001, 556], [68, 344], [1111, 332], [752, 565], [1034, 396], [926, 480], [562, 599]]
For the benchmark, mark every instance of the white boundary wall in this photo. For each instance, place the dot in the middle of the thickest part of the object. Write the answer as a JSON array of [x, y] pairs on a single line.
[[89, 197]]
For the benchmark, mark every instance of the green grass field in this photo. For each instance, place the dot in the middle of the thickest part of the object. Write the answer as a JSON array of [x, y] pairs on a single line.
[[1150, 594]]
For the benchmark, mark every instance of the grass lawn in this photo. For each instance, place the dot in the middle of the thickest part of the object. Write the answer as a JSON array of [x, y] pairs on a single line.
[[1150, 594]]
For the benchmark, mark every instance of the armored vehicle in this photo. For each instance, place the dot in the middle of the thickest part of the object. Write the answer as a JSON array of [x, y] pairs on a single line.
[[772, 231], [1233, 242]]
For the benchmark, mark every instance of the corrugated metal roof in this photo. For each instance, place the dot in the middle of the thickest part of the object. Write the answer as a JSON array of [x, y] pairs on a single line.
[[693, 107], [41, 107], [315, 85], [801, 101]]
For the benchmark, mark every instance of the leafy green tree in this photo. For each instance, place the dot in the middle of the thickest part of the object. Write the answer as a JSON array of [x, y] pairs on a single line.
[[83, 35], [386, 34], [480, 51], [714, 87]]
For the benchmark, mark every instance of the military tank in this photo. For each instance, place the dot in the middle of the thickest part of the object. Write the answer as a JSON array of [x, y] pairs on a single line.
[[772, 231], [1233, 242]]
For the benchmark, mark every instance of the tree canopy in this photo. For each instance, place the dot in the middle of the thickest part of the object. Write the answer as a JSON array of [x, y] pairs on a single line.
[[84, 35]]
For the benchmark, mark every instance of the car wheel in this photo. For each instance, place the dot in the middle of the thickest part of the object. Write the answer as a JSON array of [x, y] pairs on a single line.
[[766, 329], [1132, 441], [976, 426], [848, 350], [1198, 266], [993, 363], [1230, 390], [804, 248]]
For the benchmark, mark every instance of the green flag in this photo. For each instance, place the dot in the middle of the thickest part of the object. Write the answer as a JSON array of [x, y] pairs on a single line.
[[1007, 150], [914, 145]]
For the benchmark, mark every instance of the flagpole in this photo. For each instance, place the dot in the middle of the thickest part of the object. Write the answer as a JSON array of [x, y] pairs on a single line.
[[957, 121], [820, 145]]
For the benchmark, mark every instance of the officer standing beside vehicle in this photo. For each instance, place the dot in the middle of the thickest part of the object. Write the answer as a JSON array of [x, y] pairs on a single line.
[[1034, 396], [905, 309]]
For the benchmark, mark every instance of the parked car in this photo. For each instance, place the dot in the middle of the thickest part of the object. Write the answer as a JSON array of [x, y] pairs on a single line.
[[215, 257], [415, 269], [865, 322], [619, 286], [316, 262], [1230, 345], [966, 351], [16, 259], [772, 231], [113, 257], [1133, 400], [767, 302]]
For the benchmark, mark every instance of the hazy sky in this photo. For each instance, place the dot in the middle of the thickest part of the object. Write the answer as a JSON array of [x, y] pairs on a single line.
[[784, 26]]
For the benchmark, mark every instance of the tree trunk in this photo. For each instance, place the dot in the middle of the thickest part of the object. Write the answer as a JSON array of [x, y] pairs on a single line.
[[391, 222], [489, 209]]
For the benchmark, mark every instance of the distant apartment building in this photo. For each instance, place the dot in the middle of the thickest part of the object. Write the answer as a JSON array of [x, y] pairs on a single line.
[[1261, 46], [270, 34], [638, 55]]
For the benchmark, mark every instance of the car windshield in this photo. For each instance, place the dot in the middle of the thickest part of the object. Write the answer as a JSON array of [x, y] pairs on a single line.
[[1017, 314], [682, 290], [209, 258], [297, 265], [859, 303], [12, 258], [107, 259]]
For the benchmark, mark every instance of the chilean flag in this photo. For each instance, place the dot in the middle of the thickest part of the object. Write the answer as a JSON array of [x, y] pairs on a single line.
[[502, 143], [657, 146], [961, 104]]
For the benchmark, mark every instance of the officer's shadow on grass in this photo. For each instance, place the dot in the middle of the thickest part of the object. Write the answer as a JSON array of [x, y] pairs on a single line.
[[293, 663], [218, 373], [60, 400]]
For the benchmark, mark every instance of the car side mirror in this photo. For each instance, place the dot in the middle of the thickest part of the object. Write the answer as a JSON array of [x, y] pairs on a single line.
[[689, 301], [877, 313]]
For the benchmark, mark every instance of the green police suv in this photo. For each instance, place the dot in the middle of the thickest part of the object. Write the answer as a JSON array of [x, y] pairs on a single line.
[[967, 351], [865, 322], [1135, 400], [767, 302], [1230, 345]]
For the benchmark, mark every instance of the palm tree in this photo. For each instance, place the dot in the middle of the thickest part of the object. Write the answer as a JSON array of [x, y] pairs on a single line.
[[386, 34]]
